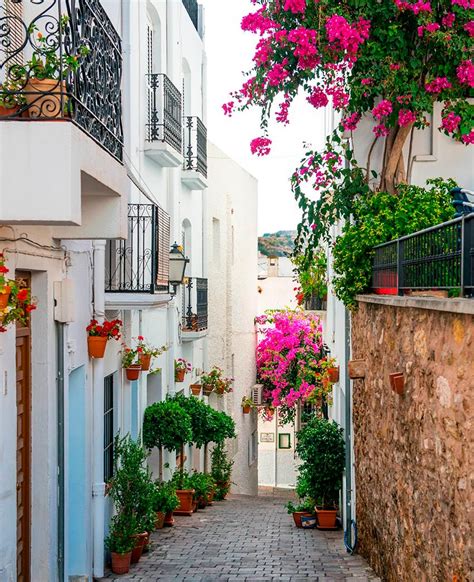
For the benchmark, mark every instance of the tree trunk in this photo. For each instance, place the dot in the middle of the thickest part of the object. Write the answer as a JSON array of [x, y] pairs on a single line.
[[394, 154], [160, 464], [206, 467]]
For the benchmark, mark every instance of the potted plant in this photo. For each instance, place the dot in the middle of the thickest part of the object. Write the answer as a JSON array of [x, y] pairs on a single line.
[[99, 334], [131, 364], [203, 485], [147, 352], [15, 300], [181, 368], [44, 75], [330, 370], [195, 389], [121, 541], [165, 501], [184, 490], [321, 448], [11, 98], [247, 404], [215, 381], [302, 509], [221, 471]]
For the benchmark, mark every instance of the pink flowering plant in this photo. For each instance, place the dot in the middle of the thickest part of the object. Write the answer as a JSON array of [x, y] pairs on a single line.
[[381, 64], [290, 360]]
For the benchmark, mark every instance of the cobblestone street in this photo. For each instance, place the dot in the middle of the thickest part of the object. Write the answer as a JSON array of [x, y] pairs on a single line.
[[247, 538]]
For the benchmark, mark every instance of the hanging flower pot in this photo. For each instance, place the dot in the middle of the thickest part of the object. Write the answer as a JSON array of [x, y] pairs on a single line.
[[179, 375], [96, 346], [333, 374], [246, 409], [145, 361], [206, 389], [195, 389], [4, 297], [133, 372]]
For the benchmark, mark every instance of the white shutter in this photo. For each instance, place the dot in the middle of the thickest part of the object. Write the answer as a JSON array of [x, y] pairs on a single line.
[[257, 394]]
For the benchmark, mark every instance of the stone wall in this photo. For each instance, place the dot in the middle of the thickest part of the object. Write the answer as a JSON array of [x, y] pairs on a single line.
[[414, 453]]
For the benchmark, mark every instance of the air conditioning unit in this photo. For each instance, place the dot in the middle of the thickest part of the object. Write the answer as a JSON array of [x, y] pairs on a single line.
[[257, 397]]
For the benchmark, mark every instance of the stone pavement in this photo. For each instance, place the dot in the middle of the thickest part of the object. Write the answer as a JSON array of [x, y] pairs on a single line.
[[246, 538]]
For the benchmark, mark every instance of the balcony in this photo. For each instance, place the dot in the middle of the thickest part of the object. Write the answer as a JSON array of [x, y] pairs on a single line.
[[61, 61], [164, 122], [194, 174], [137, 269], [438, 260], [194, 310]]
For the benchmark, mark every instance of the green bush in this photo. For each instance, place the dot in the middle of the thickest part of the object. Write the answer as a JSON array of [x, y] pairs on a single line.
[[165, 499], [379, 217], [122, 529], [202, 484], [221, 470], [321, 448], [166, 424], [306, 505]]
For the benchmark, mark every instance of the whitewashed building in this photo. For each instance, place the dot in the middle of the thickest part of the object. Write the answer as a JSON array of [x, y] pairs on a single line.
[[90, 202], [231, 218]]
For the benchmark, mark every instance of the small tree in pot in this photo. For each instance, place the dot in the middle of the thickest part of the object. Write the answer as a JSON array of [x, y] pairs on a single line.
[[121, 541], [321, 447], [221, 470]]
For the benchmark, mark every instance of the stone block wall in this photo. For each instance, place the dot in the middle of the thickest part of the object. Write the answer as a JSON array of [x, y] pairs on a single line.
[[414, 454]]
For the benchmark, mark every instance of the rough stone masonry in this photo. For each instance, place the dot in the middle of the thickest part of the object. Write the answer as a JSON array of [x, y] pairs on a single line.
[[414, 453]]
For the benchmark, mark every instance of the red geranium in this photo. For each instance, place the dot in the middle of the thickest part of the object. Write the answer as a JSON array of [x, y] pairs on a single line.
[[109, 329]]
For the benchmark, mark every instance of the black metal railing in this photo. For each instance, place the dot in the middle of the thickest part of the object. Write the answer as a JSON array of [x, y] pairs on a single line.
[[192, 9], [164, 111], [140, 264], [440, 257], [195, 145], [195, 311], [62, 59]]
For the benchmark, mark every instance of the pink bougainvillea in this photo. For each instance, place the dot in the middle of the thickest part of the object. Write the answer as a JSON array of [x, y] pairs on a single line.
[[260, 146]]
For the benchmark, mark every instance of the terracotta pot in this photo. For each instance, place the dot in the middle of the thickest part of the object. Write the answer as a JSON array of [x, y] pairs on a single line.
[[46, 98], [297, 515], [133, 372], [397, 382], [179, 375], [326, 518], [206, 390], [333, 374], [146, 545], [8, 111], [220, 390], [121, 562], [357, 369], [196, 389], [96, 346], [4, 297], [138, 549], [160, 519], [185, 497], [246, 409], [169, 521], [210, 497], [145, 361]]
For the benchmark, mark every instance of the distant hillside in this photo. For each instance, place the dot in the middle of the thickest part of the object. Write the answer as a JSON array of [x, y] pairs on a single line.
[[277, 244]]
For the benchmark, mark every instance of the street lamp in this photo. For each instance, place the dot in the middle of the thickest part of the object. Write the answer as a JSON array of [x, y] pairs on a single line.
[[178, 264]]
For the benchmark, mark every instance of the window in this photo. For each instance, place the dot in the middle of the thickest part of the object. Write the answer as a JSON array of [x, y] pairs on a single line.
[[284, 441], [108, 427]]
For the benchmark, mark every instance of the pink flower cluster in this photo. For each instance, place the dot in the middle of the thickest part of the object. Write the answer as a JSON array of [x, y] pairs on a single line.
[[437, 85], [467, 4], [256, 22], [289, 356], [416, 8], [450, 122], [465, 73], [277, 74], [318, 98], [261, 146], [383, 109], [350, 123], [405, 117], [431, 27], [347, 37], [306, 49], [295, 6], [469, 27]]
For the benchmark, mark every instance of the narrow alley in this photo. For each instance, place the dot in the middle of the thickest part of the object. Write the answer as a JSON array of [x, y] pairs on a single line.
[[246, 538]]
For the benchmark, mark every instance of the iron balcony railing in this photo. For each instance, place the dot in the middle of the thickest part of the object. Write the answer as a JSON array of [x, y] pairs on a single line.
[[195, 145], [140, 264], [192, 9], [195, 310], [164, 121], [62, 59], [440, 257]]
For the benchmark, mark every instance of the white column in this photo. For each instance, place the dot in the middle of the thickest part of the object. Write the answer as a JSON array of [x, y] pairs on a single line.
[[98, 485]]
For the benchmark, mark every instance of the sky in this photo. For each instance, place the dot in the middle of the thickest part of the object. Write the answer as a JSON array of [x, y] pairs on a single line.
[[229, 52]]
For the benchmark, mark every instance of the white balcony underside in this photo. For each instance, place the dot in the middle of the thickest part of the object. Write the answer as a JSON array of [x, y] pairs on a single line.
[[129, 301], [58, 176], [163, 154], [193, 180], [191, 336]]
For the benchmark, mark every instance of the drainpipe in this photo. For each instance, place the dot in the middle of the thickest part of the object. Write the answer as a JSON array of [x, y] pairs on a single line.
[[348, 435], [60, 403], [98, 485], [276, 448]]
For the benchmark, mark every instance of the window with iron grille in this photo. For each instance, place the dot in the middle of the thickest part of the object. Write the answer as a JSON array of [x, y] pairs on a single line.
[[108, 427]]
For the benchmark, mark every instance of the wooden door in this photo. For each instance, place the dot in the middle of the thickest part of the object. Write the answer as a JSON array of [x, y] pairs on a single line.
[[23, 458]]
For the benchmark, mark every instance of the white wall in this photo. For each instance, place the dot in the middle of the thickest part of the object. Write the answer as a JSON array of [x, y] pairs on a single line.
[[231, 217]]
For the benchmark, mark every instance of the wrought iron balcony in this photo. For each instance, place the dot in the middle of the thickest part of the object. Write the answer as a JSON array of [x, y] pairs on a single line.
[[195, 312], [440, 257], [192, 9], [195, 152], [141, 263], [62, 59], [164, 123]]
